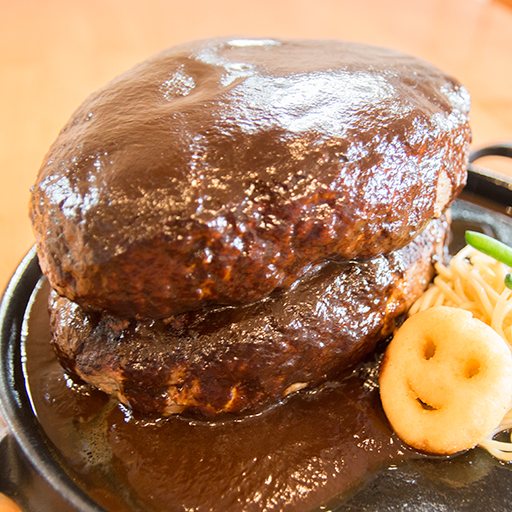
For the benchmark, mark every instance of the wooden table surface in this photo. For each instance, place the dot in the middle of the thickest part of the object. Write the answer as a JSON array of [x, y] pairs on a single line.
[[54, 52]]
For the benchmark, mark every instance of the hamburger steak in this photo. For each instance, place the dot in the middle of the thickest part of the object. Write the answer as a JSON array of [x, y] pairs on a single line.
[[241, 359], [218, 172], [237, 219]]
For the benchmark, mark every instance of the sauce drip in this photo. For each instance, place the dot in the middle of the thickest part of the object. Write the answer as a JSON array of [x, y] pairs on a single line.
[[315, 448]]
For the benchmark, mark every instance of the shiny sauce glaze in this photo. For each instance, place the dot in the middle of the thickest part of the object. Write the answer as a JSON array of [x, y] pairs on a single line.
[[315, 448], [217, 172]]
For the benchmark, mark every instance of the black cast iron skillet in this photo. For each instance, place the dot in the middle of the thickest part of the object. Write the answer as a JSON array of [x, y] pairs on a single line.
[[30, 469]]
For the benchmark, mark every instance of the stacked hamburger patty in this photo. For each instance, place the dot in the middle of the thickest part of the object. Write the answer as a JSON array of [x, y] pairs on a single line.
[[233, 220]]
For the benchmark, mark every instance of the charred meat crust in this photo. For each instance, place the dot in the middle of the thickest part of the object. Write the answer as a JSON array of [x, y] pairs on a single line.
[[220, 171], [243, 359]]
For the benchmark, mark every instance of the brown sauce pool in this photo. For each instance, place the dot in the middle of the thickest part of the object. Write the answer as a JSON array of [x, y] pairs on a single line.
[[316, 451], [315, 448]]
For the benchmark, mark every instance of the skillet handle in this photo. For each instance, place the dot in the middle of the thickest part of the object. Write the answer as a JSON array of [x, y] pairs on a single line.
[[504, 149], [488, 183]]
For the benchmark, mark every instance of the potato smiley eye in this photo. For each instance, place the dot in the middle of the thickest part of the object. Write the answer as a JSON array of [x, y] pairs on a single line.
[[472, 368], [429, 349]]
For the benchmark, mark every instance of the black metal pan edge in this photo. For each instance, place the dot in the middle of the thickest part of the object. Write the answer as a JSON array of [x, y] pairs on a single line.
[[14, 401]]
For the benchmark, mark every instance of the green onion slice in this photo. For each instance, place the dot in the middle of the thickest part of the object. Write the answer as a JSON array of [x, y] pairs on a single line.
[[488, 245]]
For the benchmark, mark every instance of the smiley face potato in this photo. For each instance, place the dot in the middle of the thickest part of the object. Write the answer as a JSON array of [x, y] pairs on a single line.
[[445, 381]]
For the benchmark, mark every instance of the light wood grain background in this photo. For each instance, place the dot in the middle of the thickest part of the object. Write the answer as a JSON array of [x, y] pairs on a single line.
[[54, 52]]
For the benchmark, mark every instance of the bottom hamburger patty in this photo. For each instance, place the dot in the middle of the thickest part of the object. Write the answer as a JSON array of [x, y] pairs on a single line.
[[242, 359]]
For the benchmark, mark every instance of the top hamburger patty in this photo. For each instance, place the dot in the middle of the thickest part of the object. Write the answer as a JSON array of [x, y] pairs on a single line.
[[219, 171]]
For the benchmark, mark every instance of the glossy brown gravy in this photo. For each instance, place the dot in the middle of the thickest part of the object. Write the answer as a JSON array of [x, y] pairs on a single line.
[[313, 449]]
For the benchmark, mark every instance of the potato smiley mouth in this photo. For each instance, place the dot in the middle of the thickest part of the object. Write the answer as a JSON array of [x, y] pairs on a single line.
[[425, 405]]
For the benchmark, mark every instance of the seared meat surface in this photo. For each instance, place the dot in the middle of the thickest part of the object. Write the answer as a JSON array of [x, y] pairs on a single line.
[[218, 172], [241, 359]]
